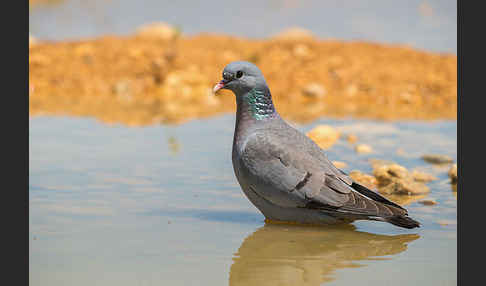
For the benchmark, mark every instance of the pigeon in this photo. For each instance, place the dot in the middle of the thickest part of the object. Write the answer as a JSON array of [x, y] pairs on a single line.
[[285, 174]]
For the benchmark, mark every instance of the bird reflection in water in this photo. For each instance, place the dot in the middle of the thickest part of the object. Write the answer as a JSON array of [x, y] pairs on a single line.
[[302, 255]]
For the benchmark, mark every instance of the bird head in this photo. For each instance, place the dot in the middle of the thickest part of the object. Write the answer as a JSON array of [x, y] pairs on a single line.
[[240, 77]]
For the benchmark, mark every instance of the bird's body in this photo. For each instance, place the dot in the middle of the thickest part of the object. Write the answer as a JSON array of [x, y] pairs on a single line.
[[284, 173]]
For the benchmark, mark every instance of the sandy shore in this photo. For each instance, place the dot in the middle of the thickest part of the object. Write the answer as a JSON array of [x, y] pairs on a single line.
[[141, 80]]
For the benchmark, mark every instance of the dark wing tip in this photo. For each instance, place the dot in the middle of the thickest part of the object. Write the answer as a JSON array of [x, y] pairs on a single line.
[[402, 221]]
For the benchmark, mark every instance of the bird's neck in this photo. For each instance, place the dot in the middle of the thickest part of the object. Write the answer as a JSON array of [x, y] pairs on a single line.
[[253, 109], [256, 104]]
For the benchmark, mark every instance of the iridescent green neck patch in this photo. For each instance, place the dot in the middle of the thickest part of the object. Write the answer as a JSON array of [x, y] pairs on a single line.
[[259, 104]]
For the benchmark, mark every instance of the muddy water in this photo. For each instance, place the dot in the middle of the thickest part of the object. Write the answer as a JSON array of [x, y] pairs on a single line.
[[430, 25], [159, 205]]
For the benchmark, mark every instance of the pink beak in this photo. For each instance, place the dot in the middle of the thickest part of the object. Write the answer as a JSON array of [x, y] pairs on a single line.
[[218, 86]]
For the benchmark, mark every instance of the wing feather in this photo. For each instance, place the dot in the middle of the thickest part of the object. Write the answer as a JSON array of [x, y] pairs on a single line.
[[288, 177]]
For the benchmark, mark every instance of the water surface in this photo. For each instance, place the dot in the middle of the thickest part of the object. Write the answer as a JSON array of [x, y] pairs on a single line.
[[159, 205], [429, 25]]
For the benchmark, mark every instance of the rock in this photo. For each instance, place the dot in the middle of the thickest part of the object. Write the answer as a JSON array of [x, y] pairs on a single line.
[[314, 90], [453, 174], [422, 177], [385, 171], [158, 30], [294, 33], [363, 148], [324, 135], [363, 179], [404, 187], [395, 179], [397, 171], [437, 159], [429, 202], [381, 174], [339, 164]]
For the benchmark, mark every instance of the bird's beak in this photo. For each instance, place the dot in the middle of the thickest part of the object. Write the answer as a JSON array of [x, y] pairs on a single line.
[[219, 85]]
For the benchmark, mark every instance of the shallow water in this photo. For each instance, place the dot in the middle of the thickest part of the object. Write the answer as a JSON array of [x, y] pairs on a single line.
[[159, 205], [430, 25]]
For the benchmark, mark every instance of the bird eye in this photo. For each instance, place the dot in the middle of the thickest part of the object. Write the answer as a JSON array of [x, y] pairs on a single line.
[[239, 74]]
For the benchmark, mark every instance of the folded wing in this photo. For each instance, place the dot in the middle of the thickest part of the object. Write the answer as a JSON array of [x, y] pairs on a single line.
[[284, 174]]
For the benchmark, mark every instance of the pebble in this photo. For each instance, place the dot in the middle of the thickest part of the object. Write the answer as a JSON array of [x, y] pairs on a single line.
[[396, 179], [364, 179], [428, 202], [404, 187], [422, 177], [363, 148], [397, 171], [324, 135], [437, 159]]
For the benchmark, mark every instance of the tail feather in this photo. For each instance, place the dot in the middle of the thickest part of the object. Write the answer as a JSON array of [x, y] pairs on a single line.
[[402, 221], [399, 215]]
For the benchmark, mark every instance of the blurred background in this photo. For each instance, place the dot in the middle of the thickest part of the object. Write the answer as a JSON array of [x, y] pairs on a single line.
[[130, 174], [161, 57], [428, 25]]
